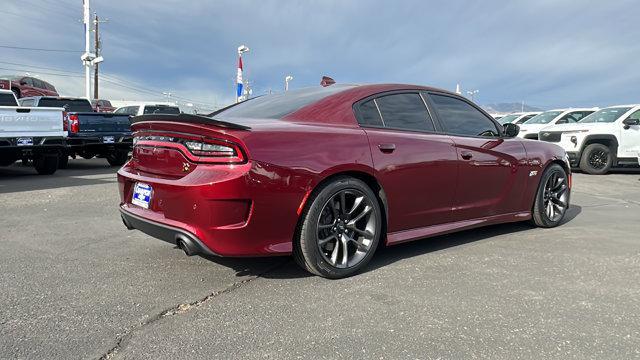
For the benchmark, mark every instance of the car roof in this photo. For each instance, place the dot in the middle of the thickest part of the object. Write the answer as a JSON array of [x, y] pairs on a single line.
[[337, 108]]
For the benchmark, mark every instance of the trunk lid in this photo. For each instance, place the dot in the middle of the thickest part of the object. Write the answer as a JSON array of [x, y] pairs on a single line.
[[166, 146]]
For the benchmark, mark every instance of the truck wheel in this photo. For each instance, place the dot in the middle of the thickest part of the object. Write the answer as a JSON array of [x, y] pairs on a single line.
[[596, 159], [63, 160], [118, 158], [46, 164]]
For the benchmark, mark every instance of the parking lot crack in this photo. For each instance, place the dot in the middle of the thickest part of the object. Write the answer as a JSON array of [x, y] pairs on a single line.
[[179, 309]]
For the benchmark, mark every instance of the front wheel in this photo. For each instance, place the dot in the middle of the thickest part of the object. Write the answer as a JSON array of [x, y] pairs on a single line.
[[596, 159], [552, 198], [341, 229], [117, 158]]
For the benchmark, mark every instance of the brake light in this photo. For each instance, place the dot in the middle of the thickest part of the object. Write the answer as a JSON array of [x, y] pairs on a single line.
[[74, 124], [207, 151]]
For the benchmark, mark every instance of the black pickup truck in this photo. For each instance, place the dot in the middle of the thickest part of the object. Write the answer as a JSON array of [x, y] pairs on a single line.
[[89, 133]]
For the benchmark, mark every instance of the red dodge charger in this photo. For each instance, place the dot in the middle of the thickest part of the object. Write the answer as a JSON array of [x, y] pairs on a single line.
[[327, 174]]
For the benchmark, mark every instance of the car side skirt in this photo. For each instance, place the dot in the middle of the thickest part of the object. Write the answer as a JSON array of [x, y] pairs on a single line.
[[441, 229]]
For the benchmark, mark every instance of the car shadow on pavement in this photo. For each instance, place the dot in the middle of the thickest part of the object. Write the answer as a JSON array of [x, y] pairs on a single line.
[[286, 267], [18, 177]]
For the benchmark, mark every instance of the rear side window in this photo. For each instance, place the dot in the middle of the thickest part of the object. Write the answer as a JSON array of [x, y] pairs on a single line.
[[277, 106], [7, 100], [404, 111], [369, 115], [460, 118], [71, 105]]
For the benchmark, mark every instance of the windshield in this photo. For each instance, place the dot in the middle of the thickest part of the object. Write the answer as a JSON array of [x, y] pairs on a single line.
[[70, 105], [277, 106], [160, 109], [508, 119], [605, 115], [543, 118], [7, 99]]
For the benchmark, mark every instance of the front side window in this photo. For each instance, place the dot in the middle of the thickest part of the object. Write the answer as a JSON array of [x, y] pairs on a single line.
[[405, 111], [460, 118], [635, 115]]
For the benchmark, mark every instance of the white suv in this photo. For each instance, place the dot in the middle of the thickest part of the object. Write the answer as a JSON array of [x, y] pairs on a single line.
[[530, 128], [606, 138]]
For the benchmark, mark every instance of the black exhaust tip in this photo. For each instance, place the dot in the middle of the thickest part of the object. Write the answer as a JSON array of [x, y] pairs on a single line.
[[185, 244], [126, 224]]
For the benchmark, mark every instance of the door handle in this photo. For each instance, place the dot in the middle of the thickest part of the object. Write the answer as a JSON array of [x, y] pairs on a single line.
[[466, 155], [387, 148]]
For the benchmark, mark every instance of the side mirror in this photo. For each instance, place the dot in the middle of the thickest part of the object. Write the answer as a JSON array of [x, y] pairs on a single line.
[[510, 130], [630, 122]]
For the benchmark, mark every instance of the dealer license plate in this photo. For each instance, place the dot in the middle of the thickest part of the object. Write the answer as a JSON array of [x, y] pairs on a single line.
[[142, 195]]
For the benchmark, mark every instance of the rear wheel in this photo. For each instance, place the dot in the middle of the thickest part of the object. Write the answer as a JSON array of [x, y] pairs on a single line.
[[117, 158], [341, 229], [46, 164], [552, 199], [596, 159], [63, 160]]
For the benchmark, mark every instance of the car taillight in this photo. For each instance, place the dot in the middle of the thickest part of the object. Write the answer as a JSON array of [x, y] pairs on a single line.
[[213, 150], [74, 124]]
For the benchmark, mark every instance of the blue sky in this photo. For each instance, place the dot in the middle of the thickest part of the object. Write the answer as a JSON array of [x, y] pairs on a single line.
[[547, 53]]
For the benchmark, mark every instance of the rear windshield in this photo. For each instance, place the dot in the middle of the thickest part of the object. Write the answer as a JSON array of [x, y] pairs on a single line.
[[277, 106], [159, 109], [7, 100], [70, 105]]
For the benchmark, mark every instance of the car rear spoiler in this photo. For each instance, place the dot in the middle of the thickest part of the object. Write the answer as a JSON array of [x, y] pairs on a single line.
[[188, 118]]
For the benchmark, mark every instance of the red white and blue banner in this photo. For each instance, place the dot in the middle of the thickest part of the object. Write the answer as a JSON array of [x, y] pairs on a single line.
[[239, 78]]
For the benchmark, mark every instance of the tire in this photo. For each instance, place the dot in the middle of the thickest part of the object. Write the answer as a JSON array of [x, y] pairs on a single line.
[[552, 198], [117, 158], [341, 214], [63, 160], [46, 164], [596, 159]]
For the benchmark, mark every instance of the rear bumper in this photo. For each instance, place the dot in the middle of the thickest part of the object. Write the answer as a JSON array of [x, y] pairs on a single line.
[[97, 144], [41, 145], [164, 232]]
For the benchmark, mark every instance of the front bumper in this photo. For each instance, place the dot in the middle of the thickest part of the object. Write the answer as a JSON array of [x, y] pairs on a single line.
[[164, 232]]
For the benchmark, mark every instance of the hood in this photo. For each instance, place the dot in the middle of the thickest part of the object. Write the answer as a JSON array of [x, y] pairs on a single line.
[[532, 128], [578, 126]]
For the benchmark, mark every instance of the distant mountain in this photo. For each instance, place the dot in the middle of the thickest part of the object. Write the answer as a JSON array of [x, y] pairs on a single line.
[[508, 108]]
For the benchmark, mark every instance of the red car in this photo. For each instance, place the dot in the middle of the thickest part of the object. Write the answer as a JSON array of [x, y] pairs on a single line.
[[102, 106], [329, 174], [24, 86]]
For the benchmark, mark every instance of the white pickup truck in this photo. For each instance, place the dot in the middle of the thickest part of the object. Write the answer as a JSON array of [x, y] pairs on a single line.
[[608, 137], [30, 134]]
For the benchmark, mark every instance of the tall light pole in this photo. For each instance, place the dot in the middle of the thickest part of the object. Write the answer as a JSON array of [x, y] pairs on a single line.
[[286, 82], [472, 93], [239, 81], [87, 56]]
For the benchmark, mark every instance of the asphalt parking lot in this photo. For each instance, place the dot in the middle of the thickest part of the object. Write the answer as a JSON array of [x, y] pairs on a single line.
[[74, 283]]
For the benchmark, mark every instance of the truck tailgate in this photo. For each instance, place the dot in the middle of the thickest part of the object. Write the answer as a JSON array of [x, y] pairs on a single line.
[[30, 122], [103, 123]]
